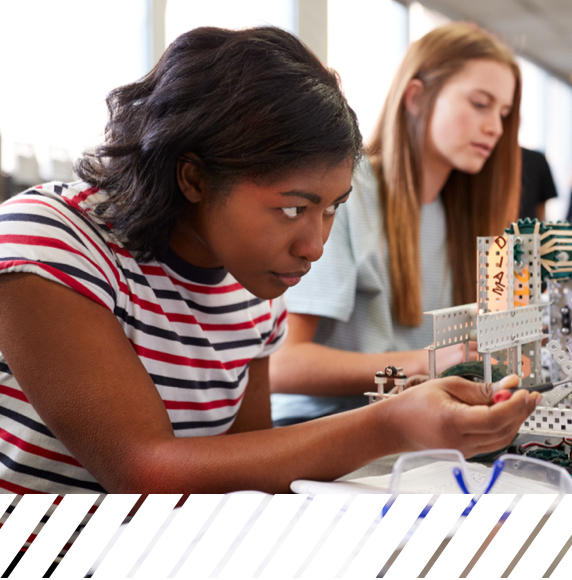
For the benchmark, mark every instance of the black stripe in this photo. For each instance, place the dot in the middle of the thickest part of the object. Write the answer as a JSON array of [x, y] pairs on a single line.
[[206, 276], [186, 340], [172, 295], [200, 424], [70, 270], [276, 338], [4, 368], [43, 474], [40, 219], [197, 385], [23, 420], [77, 213], [138, 278], [82, 275]]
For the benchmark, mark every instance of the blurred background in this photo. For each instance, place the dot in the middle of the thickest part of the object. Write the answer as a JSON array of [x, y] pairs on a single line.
[[59, 58]]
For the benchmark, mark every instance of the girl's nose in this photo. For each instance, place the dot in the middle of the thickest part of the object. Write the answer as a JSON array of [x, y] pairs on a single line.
[[309, 243]]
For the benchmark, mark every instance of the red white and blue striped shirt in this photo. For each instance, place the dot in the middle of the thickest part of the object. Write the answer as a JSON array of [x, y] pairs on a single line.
[[195, 330]]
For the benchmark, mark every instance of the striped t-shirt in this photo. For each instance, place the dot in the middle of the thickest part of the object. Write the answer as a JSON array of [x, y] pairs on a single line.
[[195, 330]]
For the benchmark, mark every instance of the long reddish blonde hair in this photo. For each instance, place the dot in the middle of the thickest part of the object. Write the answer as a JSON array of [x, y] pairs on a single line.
[[475, 205]]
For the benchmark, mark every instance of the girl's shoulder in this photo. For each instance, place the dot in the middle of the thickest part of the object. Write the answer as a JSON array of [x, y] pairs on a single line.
[[364, 199], [72, 205]]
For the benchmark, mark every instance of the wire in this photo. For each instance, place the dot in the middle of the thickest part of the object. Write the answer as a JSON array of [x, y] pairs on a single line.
[[543, 445]]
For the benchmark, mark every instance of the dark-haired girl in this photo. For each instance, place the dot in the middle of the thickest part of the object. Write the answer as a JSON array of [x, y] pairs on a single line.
[[138, 306]]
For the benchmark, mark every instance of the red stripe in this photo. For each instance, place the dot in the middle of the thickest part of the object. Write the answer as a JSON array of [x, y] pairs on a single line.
[[186, 318], [72, 223], [185, 361], [67, 280], [238, 326], [187, 405], [198, 288], [81, 196], [207, 289], [46, 242], [14, 393], [142, 303], [36, 450], [18, 489], [282, 317], [119, 250]]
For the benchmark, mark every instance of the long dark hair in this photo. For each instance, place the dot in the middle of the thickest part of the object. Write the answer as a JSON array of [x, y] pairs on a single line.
[[248, 104]]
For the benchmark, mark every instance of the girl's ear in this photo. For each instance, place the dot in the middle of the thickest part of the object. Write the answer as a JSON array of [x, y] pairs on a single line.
[[412, 96], [190, 177]]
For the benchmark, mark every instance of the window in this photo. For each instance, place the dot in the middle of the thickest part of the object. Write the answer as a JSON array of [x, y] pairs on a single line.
[[366, 42], [182, 15], [64, 58]]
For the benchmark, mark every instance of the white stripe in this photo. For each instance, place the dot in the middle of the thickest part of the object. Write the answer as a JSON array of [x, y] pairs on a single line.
[[470, 536], [303, 537], [137, 535], [186, 523], [428, 536], [387, 536], [220, 535], [102, 526], [548, 543], [21, 523], [512, 536], [562, 570], [354, 523], [54, 535], [263, 536]]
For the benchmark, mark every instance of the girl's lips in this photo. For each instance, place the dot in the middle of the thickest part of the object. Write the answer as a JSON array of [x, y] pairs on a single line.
[[290, 278], [482, 148]]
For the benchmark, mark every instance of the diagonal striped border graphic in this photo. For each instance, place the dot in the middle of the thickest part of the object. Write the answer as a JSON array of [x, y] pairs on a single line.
[[255, 535]]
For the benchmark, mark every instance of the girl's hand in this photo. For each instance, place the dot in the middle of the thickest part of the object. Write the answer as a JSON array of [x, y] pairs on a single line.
[[413, 381], [456, 413], [454, 355]]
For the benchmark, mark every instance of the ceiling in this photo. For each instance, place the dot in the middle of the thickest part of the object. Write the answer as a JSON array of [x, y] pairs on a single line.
[[540, 30]]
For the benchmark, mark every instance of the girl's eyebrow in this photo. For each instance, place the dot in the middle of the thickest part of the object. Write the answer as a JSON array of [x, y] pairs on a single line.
[[313, 197], [486, 94], [493, 98]]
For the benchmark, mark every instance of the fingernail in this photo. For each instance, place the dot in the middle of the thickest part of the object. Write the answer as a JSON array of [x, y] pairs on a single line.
[[504, 383], [538, 400], [506, 380]]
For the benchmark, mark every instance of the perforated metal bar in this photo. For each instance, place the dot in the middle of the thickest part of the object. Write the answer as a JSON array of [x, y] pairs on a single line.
[[506, 329], [452, 325], [555, 421]]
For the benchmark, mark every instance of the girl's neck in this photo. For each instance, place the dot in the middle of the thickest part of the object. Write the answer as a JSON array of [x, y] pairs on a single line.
[[434, 177]]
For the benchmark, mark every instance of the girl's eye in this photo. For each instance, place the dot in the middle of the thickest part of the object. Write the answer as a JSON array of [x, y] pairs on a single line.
[[292, 212], [479, 105], [332, 209]]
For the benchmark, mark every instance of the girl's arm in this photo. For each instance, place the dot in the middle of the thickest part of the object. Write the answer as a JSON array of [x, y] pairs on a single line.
[[302, 366], [81, 374]]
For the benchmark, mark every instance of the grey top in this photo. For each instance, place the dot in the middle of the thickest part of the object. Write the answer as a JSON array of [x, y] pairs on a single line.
[[350, 289]]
